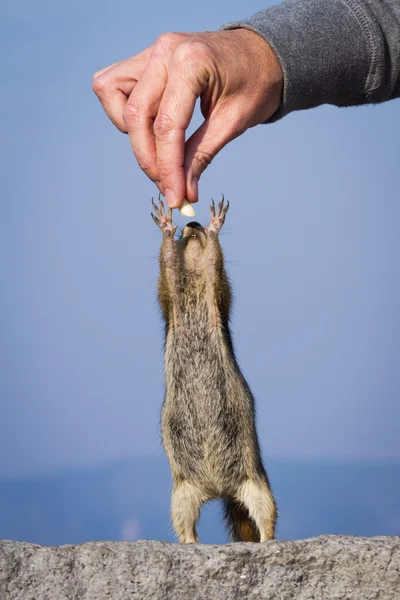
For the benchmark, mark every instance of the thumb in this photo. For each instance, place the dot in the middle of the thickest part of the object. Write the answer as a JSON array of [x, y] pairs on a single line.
[[205, 143]]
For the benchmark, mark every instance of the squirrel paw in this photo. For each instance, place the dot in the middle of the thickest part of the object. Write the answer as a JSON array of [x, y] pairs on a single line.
[[162, 219], [217, 217]]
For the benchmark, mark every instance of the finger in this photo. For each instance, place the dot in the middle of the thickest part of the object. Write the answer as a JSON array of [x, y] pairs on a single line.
[[101, 71], [139, 114], [114, 85], [187, 79], [205, 143]]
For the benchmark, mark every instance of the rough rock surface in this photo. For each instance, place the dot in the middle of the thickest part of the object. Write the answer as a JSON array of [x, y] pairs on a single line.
[[323, 568]]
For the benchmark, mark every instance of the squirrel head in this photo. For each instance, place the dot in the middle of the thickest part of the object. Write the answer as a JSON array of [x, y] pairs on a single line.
[[192, 242]]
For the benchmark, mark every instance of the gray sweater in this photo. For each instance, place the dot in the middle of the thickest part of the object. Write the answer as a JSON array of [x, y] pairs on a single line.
[[342, 52]]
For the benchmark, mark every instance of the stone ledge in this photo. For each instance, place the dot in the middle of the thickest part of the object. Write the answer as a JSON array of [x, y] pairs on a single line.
[[324, 568]]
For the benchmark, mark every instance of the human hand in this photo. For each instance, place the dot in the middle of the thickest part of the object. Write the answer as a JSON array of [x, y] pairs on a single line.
[[152, 96]]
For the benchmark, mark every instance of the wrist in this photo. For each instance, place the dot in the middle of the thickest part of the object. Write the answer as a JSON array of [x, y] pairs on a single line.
[[269, 73], [321, 64]]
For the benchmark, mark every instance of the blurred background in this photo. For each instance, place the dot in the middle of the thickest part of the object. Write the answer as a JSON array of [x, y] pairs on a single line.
[[312, 247]]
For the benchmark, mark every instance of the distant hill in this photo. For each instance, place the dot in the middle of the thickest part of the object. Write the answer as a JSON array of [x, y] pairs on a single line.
[[129, 500]]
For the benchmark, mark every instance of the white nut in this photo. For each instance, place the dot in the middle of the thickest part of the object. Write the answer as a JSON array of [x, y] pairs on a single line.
[[186, 209]]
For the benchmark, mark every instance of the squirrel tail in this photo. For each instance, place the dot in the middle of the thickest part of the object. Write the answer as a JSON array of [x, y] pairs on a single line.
[[241, 525]]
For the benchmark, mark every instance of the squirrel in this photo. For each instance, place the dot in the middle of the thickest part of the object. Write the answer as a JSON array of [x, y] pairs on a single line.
[[208, 416]]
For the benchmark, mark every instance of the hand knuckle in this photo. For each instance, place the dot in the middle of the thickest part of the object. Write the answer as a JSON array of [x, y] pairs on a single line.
[[192, 50], [204, 158], [163, 125], [99, 85], [166, 41], [146, 166], [165, 170], [132, 113]]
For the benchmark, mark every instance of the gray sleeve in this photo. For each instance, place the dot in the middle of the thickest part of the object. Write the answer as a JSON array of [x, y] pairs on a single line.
[[342, 52]]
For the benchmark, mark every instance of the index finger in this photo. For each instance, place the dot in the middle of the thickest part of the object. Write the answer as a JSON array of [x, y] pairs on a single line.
[[186, 82]]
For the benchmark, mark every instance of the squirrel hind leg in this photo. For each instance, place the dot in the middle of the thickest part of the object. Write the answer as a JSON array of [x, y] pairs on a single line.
[[255, 494], [186, 501], [241, 526]]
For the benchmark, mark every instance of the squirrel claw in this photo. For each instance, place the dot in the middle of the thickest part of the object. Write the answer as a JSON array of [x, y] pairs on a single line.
[[162, 220], [212, 208], [218, 219]]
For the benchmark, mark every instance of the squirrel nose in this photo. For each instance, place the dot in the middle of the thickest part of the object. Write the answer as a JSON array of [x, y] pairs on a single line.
[[193, 224], [192, 228]]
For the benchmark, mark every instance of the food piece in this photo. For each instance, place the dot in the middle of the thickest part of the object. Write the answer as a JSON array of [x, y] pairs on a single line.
[[186, 209]]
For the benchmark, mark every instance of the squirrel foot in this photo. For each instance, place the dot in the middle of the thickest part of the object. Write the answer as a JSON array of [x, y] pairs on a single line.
[[217, 217], [162, 219]]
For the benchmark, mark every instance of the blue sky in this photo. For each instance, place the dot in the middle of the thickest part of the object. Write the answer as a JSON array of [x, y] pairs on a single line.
[[311, 242]]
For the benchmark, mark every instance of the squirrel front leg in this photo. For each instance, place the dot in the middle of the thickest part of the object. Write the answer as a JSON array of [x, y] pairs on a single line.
[[218, 288], [169, 279]]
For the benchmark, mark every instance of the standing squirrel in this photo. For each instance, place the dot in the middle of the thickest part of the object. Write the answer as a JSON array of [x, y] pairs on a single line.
[[208, 420]]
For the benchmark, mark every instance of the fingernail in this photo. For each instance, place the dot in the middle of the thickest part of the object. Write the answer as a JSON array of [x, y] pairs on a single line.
[[171, 198], [195, 186]]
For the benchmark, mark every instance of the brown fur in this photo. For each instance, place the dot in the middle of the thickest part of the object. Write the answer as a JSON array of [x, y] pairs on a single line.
[[208, 419]]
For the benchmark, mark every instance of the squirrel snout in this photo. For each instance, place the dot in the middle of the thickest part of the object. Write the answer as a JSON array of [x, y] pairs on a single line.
[[192, 228]]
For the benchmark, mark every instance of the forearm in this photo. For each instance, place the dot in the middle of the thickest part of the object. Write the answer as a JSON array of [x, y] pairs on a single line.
[[342, 52]]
